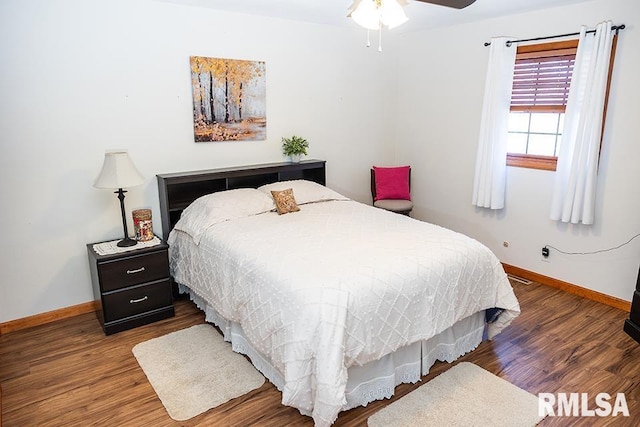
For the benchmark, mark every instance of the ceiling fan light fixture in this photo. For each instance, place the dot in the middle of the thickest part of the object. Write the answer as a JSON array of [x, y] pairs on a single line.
[[392, 14], [372, 14], [375, 14], [366, 15]]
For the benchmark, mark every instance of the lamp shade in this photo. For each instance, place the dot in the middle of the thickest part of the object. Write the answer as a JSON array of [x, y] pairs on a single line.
[[366, 15], [392, 14], [118, 171]]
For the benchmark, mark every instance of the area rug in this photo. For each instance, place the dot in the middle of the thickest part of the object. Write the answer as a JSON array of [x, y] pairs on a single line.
[[465, 395], [194, 370]]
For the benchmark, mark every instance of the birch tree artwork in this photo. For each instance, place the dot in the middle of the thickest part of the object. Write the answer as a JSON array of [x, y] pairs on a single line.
[[229, 99]]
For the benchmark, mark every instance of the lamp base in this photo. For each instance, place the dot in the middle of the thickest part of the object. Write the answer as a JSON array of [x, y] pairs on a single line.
[[126, 242]]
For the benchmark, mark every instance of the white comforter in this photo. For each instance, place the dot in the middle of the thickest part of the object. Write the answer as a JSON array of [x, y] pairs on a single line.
[[338, 283]]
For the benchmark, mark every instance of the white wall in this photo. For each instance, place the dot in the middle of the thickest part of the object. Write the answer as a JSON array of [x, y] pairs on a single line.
[[441, 84], [78, 77]]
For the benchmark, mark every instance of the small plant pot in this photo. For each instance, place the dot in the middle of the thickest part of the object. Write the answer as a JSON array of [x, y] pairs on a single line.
[[295, 158]]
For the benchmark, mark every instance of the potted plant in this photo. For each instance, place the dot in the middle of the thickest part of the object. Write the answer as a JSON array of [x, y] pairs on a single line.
[[295, 147]]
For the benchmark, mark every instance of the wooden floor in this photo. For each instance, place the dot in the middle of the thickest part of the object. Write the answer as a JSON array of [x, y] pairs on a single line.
[[68, 373]]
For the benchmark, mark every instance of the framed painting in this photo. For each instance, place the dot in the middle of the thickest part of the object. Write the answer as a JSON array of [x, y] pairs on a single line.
[[229, 99]]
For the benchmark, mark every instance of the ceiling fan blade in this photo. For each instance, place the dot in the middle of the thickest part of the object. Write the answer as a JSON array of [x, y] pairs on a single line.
[[456, 4]]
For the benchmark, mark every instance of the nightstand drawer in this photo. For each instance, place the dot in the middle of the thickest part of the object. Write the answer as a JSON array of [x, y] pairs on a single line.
[[133, 270], [136, 300]]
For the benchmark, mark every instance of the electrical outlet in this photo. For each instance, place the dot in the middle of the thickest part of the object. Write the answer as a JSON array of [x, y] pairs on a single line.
[[545, 254]]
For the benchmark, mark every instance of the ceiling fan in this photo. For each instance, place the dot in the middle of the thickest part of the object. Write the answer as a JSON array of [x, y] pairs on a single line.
[[373, 14]]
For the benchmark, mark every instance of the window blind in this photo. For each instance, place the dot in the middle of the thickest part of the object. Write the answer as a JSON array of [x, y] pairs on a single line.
[[542, 83]]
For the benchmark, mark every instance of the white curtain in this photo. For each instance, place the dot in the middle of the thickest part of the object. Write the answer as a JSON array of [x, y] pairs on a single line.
[[577, 170], [491, 169]]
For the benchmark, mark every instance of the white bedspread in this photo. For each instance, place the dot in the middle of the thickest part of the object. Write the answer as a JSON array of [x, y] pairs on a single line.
[[338, 283]]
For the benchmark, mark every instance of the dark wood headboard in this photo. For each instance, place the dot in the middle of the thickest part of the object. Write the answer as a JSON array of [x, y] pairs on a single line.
[[178, 190]]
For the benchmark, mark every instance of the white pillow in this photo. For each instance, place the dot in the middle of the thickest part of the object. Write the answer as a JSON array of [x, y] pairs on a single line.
[[304, 191], [222, 206]]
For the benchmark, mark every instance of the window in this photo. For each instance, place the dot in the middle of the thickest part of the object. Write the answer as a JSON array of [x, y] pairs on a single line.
[[541, 79]]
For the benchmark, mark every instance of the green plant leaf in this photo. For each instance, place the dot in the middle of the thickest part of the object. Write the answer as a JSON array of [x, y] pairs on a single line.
[[294, 145]]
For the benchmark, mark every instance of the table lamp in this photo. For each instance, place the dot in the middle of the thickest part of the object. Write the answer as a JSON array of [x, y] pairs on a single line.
[[118, 172]]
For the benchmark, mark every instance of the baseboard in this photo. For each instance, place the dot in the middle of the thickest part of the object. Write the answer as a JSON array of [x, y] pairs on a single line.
[[568, 287], [50, 316]]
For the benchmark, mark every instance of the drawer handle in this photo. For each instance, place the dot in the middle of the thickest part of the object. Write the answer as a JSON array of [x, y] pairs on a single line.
[[137, 270], [135, 301]]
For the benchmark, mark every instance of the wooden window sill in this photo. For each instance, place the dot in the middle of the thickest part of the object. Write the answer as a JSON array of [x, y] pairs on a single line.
[[547, 163]]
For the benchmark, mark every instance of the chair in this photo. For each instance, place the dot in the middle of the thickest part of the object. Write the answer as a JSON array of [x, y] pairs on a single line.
[[391, 189]]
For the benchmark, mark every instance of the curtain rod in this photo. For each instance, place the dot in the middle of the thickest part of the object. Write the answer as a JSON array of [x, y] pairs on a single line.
[[615, 28]]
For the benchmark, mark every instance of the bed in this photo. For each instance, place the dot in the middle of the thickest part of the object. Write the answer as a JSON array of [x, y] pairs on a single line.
[[336, 303]]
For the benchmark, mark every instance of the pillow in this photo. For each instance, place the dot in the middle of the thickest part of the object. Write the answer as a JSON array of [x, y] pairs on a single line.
[[222, 206], [285, 202], [392, 183], [305, 191]]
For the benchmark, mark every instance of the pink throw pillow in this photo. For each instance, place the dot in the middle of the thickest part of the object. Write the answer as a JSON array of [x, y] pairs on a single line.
[[392, 183]]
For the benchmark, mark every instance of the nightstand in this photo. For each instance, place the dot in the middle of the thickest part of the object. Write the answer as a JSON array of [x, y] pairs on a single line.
[[131, 288]]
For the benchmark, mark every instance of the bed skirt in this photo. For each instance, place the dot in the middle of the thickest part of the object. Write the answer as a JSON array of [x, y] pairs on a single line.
[[375, 380]]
